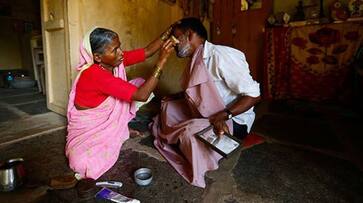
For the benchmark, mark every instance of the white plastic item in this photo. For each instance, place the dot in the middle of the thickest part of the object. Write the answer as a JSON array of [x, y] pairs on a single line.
[[110, 184], [138, 104]]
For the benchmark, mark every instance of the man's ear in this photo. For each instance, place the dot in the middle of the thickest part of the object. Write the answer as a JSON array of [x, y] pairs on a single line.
[[97, 57], [192, 35]]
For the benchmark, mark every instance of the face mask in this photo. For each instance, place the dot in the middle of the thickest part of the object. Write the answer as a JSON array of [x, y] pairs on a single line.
[[184, 48]]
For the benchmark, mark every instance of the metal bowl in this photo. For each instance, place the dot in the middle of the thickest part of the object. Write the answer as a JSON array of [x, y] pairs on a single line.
[[143, 176], [12, 174]]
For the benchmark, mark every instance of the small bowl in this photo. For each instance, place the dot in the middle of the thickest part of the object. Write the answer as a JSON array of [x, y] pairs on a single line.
[[143, 176]]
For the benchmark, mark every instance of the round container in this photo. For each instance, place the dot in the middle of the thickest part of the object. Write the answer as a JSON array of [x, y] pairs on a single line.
[[12, 174], [143, 176]]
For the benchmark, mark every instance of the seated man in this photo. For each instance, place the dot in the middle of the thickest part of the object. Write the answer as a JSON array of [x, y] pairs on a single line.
[[218, 90]]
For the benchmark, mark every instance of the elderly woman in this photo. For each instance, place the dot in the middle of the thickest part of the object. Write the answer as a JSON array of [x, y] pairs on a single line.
[[101, 102]]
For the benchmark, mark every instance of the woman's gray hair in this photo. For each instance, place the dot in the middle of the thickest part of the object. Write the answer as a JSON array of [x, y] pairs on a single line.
[[100, 38]]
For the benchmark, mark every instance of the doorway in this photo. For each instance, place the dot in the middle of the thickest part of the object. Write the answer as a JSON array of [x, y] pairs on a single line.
[[23, 103], [242, 29], [21, 61]]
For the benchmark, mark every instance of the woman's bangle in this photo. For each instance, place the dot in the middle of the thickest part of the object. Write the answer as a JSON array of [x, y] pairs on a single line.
[[157, 72]]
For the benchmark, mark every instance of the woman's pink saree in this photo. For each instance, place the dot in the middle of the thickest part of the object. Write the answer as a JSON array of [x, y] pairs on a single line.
[[95, 136]]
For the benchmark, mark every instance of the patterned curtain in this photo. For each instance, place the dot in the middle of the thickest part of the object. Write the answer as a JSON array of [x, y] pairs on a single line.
[[310, 62]]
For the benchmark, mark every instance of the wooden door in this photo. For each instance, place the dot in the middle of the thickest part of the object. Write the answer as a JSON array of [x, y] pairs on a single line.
[[243, 30], [56, 54]]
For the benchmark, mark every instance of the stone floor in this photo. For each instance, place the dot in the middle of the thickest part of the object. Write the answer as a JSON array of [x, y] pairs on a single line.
[[24, 114], [311, 154]]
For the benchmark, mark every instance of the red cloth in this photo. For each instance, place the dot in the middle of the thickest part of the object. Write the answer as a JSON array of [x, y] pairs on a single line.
[[252, 140], [96, 84]]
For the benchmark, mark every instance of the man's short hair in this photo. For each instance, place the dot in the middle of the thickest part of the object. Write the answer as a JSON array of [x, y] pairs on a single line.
[[194, 24]]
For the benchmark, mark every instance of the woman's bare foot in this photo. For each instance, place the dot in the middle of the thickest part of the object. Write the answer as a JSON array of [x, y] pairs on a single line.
[[63, 182], [134, 133], [86, 189]]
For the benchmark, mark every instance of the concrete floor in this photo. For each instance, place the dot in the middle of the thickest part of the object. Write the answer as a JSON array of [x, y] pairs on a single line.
[[311, 154]]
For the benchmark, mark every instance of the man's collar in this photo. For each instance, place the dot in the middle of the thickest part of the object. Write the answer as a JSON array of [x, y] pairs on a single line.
[[208, 48]]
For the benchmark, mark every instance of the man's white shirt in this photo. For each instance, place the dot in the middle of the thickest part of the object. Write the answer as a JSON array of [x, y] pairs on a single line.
[[231, 75]]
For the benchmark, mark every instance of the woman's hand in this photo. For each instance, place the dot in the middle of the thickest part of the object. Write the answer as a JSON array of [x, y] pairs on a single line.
[[155, 45], [218, 121], [166, 34], [166, 48], [144, 91]]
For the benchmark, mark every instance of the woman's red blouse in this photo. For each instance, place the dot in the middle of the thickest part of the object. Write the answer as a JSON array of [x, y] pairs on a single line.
[[96, 84]]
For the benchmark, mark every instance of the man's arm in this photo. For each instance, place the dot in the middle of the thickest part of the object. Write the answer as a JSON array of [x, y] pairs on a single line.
[[242, 104], [232, 67]]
